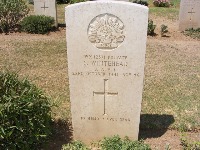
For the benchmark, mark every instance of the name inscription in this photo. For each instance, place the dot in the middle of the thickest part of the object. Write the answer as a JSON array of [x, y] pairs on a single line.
[[105, 65]]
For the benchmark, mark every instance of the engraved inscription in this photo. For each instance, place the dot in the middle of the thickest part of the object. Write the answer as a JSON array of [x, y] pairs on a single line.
[[44, 6], [106, 31], [105, 93], [191, 14], [105, 66], [104, 118]]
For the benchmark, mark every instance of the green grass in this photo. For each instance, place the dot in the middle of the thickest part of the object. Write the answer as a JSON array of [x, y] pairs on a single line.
[[170, 13], [172, 83], [61, 13]]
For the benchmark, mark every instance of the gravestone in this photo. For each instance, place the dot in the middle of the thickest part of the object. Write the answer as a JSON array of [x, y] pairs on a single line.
[[47, 8], [112, 0], [189, 16], [106, 44]]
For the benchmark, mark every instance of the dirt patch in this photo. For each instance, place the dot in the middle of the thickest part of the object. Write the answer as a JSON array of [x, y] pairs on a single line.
[[173, 34], [170, 137]]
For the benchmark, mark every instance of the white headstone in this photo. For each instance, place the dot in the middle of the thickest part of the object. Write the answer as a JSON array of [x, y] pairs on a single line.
[[106, 44], [112, 0], [47, 8], [189, 16]]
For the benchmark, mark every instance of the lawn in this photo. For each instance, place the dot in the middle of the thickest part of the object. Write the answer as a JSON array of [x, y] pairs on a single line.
[[171, 83]]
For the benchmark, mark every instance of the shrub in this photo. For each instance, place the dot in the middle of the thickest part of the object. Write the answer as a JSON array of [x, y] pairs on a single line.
[[193, 33], [116, 143], [151, 28], [62, 1], [31, 1], [76, 1], [11, 12], [38, 24], [75, 145], [163, 29], [161, 3], [24, 114], [188, 145], [109, 143], [142, 2]]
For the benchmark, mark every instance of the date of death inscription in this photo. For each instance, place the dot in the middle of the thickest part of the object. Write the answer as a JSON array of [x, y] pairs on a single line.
[[97, 73], [110, 119]]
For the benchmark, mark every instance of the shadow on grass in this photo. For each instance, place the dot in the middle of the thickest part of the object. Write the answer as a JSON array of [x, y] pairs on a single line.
[[153, 34], [62, 134], [62, 25], [154, 125], [167, 36]]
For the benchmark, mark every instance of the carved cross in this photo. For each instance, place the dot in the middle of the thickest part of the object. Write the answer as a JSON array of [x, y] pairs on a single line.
[[44, 6], [191, 12], [105, 93]]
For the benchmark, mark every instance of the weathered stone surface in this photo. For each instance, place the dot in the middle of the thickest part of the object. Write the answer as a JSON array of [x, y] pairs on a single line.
[[47, 8], [106, 44], [112, 0], [189, 16]]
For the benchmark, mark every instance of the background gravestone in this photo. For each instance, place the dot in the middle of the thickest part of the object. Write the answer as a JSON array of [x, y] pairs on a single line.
[[189, 16], [47, 8], [106, 44]]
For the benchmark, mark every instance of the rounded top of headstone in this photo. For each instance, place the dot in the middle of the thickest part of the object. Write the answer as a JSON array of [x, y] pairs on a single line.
[[111, 0]]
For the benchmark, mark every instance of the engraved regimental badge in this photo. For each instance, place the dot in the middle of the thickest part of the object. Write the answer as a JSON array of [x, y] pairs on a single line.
[[106, 31]]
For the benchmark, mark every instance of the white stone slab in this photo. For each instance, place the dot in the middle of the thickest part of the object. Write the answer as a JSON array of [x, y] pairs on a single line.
[[47, 8], [189, 16], [106, 44], [112, 0]]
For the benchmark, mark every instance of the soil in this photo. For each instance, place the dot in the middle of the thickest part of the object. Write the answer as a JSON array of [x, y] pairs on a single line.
[[170, 137]]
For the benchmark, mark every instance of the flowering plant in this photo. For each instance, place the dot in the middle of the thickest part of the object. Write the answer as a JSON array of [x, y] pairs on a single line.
[[161, 3]]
